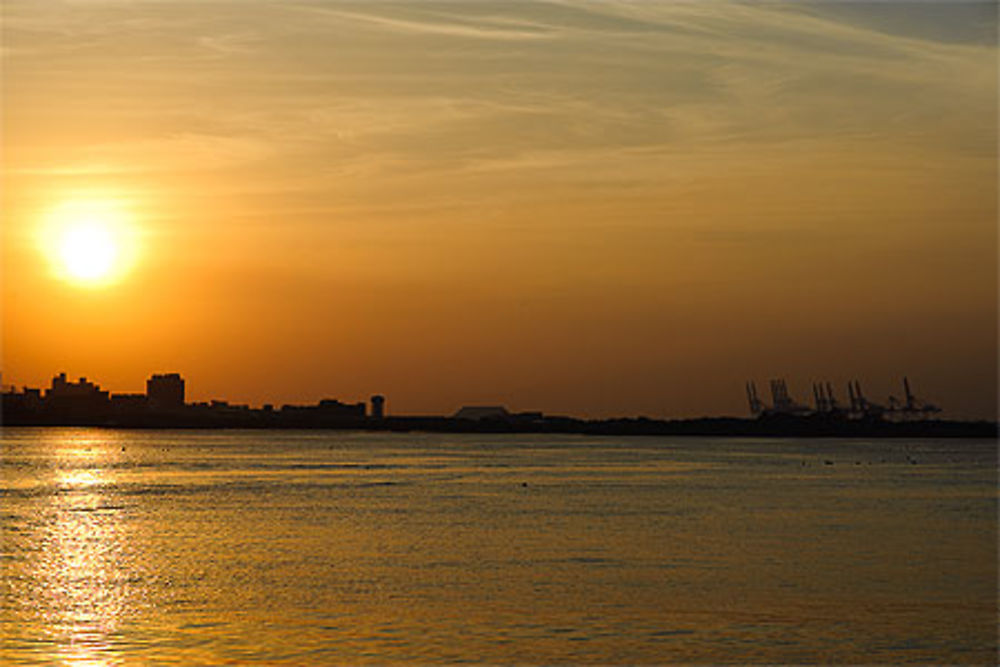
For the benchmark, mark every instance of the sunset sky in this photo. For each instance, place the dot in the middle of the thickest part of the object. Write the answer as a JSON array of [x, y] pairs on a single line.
[[588, 208]]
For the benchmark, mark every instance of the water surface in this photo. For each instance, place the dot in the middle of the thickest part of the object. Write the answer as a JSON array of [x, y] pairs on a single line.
[[338, 547]]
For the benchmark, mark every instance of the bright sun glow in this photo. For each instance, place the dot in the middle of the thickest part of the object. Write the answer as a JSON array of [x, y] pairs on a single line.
[[88, 251], [88, 243]]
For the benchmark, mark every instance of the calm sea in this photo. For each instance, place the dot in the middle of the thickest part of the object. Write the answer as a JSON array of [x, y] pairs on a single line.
[[336, 547]]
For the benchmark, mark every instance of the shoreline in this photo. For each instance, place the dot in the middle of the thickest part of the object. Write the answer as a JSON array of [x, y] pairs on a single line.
[[779, 427]]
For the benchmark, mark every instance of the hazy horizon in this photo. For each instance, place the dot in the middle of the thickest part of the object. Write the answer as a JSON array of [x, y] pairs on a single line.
[[840, 394], [588, 208]]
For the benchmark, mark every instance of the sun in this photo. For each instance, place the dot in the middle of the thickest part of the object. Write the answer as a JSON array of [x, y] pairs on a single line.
[[89, 243], [88, 251]]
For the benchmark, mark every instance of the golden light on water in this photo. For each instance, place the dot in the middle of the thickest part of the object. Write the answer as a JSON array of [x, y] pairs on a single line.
[[89, 242], [129, 547], [78, 479], [81, 567]]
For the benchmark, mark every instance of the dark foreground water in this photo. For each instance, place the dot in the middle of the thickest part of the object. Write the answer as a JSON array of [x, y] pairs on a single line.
[[326, 547]]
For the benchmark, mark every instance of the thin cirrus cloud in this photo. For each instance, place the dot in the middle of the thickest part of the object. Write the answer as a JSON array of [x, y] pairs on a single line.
[[492, 28], [629, 172], [441, 105], [419, 78]]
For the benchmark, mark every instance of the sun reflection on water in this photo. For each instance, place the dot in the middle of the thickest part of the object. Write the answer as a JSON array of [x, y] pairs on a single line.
[[207, 548], [80, 576], [78, 479]]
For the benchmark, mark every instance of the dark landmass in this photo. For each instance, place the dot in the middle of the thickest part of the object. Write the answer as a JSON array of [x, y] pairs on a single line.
[[767, 426], [162, 406]]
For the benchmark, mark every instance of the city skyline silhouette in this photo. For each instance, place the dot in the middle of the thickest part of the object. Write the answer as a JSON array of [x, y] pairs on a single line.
[[164, 405], [605, 209], [547, 332]]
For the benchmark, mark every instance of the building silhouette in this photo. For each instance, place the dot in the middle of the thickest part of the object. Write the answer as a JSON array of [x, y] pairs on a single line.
[[331, 407], [378, 406], [165, 391], [84, 403], [79, 399], [129, 404], [482, 412]]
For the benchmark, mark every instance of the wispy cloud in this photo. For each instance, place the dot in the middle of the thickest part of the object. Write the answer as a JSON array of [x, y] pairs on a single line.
[[438, 86], [437, 23], [668, 161]]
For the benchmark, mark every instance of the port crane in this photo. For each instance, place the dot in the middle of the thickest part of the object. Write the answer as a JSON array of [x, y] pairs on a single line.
[[910, 407], [826, 403]]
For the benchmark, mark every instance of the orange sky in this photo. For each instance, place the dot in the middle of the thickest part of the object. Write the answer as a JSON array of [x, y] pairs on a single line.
[[586, 208]]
